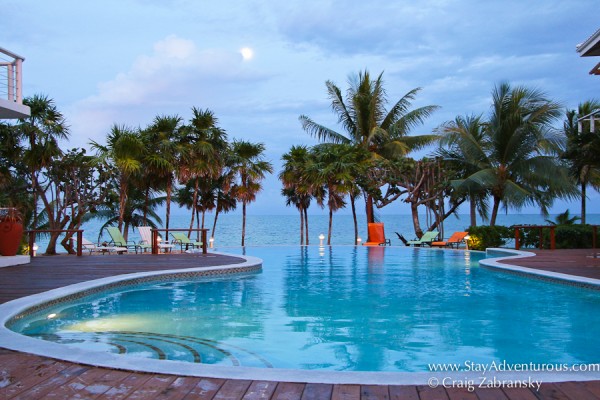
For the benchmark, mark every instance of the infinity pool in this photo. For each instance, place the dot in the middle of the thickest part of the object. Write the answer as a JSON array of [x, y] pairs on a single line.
[[338, 308]]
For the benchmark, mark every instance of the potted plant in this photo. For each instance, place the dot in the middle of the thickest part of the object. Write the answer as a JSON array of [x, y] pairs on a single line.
[[11, 231]]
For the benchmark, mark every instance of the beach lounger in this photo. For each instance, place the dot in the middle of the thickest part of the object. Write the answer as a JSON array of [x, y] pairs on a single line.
[[376, 235], [455, 240], [426, 239], [402, 239], [183, 240], [146, 242], [98, 248], [118, 240]]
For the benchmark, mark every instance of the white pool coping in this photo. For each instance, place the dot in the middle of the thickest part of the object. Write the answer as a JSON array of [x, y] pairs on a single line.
[[15, 341]]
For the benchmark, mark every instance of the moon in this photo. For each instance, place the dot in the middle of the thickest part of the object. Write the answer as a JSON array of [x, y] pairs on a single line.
[[247, 53]]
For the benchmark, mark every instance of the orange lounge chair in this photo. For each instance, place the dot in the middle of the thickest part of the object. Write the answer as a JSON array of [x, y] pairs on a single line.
[[376, 235], [456, 239]]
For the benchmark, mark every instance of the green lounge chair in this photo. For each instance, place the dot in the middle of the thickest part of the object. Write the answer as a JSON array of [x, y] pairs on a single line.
[[426, 239], [118, 240], [183, 240]]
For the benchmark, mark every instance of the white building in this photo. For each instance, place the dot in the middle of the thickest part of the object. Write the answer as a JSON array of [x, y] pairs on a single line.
[[11, 86]]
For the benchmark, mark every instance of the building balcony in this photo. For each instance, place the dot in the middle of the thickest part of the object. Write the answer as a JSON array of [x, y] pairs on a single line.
[[11, 86]]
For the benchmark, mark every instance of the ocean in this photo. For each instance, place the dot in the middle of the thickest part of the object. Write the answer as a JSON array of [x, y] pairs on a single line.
[[285, 229]]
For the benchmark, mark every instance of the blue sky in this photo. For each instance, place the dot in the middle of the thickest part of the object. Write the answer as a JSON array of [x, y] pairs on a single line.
[[126, 61]]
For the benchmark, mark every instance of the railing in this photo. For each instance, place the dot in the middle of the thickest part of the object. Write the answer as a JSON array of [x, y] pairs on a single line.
[[590, 117], [34, 232], [11, 87], [155, 237]]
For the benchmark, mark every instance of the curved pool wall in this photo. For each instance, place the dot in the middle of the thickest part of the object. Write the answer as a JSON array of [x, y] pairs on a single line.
[[15, 341]]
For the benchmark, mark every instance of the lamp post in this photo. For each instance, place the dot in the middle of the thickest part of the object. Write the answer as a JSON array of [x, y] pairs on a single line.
[[358, 241], [211, 242], [467, 241], [321, 238]]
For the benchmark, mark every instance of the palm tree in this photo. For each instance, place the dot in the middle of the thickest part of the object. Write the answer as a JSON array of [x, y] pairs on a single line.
[[162, 140], [248, 165], [297, 187], [368, 124], [564, 219], [203, 153], [581, 151], [124, 150], [464, 143], [520, 166]]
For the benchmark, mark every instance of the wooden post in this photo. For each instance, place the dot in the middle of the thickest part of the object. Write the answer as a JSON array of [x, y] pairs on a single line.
[[79, 244], [594, 235], [31, 238], [552, 238], [541, 229], [154, 239], [517, 239], [204, 251]]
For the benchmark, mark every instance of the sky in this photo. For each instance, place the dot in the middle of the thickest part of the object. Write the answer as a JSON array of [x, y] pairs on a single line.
[[259, 65]]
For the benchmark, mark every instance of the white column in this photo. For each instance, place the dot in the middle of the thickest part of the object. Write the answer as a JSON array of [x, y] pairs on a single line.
[[19, 63], [11, 82]]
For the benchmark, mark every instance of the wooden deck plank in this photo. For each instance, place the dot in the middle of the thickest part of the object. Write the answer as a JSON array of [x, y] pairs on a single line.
[[519, 394], [153, 387], [288, 391], [104, 383], [346, 392], [490, 394], [403, 393], [548, 391], [53, 382], [74, 389], [593, 387], [232, 389], [205, 389], [429, 393], [179, 388], [32, 380], [461, 394], [125, 387], [317, 391], [374, 392], [575, 390], [260, 390]]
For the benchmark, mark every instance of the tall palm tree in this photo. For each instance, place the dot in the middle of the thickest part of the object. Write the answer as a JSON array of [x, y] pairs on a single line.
[[125, 151], [366, 122], [297, 187], [464, 143], [581, 150], [520, 167], [163, 147], [203, 153], [249, 166]]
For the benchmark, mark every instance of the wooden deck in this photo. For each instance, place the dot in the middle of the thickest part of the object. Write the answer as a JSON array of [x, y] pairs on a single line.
[[26, 376]]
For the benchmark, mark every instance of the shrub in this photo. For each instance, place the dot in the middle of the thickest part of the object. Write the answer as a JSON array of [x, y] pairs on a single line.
[[570, 237], [482, 237]]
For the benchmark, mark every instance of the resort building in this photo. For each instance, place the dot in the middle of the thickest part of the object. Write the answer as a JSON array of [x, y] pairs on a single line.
[[11, 86], [590, 48]]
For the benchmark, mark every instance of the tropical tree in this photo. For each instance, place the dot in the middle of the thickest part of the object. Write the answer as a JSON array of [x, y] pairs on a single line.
[[582, 150], [40, 132], [520, 166], [564, 218], [125, 151], [298, 189], [363, 116], [162, 140], [247, 164], [463, 142]]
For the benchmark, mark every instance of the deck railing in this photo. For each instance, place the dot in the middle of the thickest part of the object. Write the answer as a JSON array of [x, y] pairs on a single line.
[[11, 86]]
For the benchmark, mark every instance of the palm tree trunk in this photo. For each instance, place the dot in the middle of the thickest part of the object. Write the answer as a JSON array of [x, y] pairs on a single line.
[[495, 211], [306, 223], [301, 227], [215, 223], [122, 201], [355, 221], [583, 201], [330, 226], [192, 220], [203, 216], [243, 222], [168, 217], [194, 200], [146, 203], [369, 209], [415, 218], [473, 210]]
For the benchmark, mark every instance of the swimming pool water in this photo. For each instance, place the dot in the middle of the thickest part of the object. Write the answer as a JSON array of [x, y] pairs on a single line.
[[339, 308]]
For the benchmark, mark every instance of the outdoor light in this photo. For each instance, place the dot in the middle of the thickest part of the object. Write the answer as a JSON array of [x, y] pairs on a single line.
[[35, 249], [211, 241], [358, 241], [321, 238], [467, 241], [159, 239], [50, 316]]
